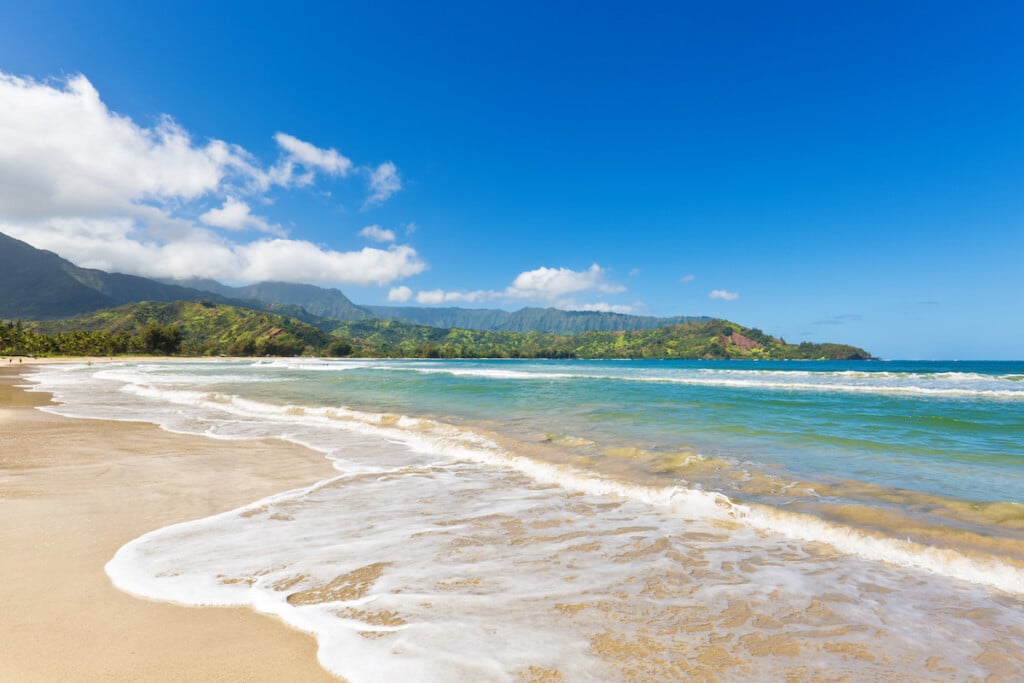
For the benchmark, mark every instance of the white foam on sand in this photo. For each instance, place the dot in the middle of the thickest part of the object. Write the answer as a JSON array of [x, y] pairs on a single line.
[[437, 555]]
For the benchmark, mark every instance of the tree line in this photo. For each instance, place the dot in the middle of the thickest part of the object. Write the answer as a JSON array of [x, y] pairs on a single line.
[[18, 340], [204, 329]]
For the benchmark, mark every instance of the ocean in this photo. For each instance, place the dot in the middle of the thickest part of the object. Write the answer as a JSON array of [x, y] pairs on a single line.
[[512, 520]]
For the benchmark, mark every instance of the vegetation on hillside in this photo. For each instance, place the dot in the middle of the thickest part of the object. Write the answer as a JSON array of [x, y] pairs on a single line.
[[552, 320], [318, 302], [711, 339], [203, 329], [275, 318], [208, 329]]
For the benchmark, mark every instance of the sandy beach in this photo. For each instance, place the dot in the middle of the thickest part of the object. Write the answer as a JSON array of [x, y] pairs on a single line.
[[495, 544], [71, 493]]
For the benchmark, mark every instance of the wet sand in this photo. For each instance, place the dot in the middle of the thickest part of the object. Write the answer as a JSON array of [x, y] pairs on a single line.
[[71, 493]]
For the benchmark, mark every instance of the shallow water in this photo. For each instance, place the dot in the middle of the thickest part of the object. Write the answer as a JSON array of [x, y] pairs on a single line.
[[514, 520]]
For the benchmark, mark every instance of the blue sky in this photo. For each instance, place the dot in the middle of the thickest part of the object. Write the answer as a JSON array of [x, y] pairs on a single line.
[[823, 172]]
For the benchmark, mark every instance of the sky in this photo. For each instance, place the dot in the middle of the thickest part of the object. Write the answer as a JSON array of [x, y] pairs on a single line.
[[849, 172]]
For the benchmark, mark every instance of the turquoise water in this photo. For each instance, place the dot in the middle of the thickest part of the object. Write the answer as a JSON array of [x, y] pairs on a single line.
[[951, 429], [851, 517]]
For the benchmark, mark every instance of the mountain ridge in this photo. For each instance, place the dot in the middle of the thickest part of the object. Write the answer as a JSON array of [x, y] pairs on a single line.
[[529, 319], [331, 303], [40, 285], [321, 302], [126, 312], [205, 329]]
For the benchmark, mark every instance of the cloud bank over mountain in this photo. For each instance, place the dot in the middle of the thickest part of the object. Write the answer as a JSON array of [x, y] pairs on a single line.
[[107, 192]]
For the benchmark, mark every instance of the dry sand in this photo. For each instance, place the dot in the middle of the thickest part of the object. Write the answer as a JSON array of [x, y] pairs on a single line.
[[71, 493]]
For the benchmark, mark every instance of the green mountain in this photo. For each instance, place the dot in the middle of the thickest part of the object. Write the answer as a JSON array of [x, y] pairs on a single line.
[[318, 301], [711, 339], [527, 319], [119, 313], [206, 328], [200, 328], [39, 285], [331, 303]]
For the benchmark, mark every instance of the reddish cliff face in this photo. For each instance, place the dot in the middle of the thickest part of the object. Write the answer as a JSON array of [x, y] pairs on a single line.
[[737, 339]]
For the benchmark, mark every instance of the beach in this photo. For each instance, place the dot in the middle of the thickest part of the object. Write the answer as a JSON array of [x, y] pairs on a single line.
[[512, 521], [72, 492]]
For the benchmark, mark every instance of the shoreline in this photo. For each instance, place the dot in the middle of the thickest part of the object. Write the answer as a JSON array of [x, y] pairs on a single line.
[[93, 469], [72, 492]]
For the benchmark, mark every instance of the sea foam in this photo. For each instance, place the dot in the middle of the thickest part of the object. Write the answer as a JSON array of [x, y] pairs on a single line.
[[437, 553]]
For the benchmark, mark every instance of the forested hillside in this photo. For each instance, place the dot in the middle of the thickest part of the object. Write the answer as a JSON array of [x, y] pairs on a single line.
[[318, 301], [527, 319], [80, 311], [206, 328], [714, 339], [183, 327]]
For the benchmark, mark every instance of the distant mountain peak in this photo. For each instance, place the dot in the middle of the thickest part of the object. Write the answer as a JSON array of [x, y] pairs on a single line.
[[40, 285], [319, 301]]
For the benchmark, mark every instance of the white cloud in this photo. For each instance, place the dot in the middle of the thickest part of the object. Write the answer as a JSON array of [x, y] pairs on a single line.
[[63, 153], [384, 182], [548, 286], [439, 296], [282, 259], [723, 294], [236, 215], [400, 294], [551, 283], [312, 157], [605, 307], [104, 245], [430, 297], [377, 233], [105, 192], [688, 278]]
